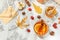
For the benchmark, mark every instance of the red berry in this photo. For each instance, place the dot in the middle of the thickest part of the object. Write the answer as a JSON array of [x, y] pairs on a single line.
[[32, 17], [28, 30], [55, 25], [29, 9]]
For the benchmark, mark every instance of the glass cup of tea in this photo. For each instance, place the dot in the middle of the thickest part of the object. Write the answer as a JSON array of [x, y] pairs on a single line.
[[41, 28]]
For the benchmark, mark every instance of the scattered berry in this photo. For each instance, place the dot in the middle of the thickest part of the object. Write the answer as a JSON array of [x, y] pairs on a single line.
[[23, 13], [58, 22], [29, 9], [28, 30], [55, 25], [52, 33], [58, 18], [38, 17], [32, 17]]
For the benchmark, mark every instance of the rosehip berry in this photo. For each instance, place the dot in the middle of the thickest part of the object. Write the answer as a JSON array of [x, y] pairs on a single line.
[[28, 30], [32, 17], [29, 9], [55, 25]]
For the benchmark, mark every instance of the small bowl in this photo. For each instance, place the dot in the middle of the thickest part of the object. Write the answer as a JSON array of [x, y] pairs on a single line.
[[42, 1]]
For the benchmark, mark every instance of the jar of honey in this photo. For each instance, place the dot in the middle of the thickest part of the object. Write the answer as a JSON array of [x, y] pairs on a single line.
[[50, 11]]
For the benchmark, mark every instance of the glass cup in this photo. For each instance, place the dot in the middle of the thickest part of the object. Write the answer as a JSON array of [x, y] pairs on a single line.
[[41, 29]]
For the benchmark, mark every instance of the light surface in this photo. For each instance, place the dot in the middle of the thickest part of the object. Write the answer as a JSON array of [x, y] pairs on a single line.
[[16, 33]]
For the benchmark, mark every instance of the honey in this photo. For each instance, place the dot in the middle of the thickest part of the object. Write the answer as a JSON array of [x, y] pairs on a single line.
[[41, 28], [50, 12]]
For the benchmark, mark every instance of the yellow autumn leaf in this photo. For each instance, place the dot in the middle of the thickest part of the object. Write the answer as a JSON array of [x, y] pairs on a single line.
[[37, 8], [21, 24]]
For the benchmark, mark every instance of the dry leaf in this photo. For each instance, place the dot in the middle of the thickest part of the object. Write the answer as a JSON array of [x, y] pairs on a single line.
[[22, 23], [18, 21], [25, 25], [24, 20], [37, 8]]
